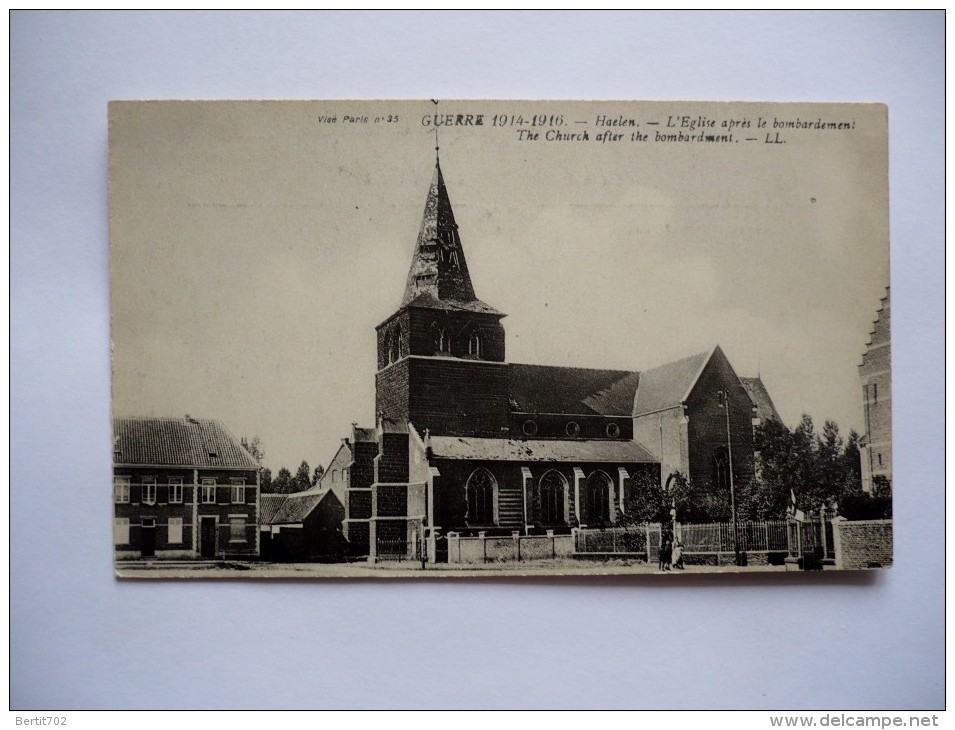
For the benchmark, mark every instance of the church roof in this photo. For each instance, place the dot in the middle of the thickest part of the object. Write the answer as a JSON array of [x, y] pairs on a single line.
[[426, 300], [185, 441], [565, 390], [581, 452], [668, 385], [438, 266], [765, 408]]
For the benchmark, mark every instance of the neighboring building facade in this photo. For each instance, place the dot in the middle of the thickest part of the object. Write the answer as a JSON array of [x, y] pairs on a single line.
[[466, 442], [304, 526], [875, 371], [182, 488]]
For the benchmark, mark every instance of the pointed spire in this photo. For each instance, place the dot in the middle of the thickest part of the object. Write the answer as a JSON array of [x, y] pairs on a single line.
[[438, 266]]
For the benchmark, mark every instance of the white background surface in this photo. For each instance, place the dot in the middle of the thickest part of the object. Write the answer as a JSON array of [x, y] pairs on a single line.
[[82, 640]]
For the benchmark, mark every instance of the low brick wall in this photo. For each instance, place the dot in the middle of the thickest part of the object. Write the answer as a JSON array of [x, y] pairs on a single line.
[[508, 549], [862, 544]]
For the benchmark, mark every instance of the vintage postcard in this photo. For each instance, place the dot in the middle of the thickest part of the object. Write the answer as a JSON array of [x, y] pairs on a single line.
[[439, 337]]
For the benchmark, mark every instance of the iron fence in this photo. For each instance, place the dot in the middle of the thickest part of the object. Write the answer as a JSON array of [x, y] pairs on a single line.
[[715, 538], [399, 550]]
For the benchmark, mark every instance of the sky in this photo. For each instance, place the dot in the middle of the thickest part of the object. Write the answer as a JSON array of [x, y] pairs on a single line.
[[255, 246]]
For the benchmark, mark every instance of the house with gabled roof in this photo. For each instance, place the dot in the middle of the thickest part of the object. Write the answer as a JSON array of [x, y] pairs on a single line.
[[468, 443], [182, 488], [304, 526]]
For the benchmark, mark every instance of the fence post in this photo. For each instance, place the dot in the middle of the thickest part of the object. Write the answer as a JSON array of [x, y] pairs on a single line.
[[517, 539], [646, 529]]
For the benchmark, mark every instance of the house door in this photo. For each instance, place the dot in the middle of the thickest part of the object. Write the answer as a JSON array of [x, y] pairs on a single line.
[[207, 537], [147, 538]]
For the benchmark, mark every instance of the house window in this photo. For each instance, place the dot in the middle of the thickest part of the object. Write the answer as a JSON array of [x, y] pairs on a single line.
[[149, 490], [175, 530], [529, 428], [480, 492], [474, 345], [597, 490], [175, 490], [237, 529], [553, 487], [573, 429], [613, 430], [121, 531], [238, 491], [121, 490], [208, 491]]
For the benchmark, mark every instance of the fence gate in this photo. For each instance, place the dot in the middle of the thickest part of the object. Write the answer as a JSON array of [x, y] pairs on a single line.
[[811, 540]]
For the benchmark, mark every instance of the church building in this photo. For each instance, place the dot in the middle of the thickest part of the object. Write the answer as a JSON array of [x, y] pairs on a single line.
[[466, 442]]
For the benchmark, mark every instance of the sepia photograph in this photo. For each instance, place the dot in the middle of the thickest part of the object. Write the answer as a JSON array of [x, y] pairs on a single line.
[[461, 338], [392, 361]]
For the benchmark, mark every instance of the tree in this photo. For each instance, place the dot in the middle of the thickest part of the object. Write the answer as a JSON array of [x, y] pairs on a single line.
[[317, 475], [254, 447], [651, 501], [282, 484], [819, 469], [266, 479], [303, 478]]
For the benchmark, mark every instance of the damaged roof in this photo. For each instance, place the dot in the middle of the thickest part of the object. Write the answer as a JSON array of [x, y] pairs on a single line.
[[485, 449]]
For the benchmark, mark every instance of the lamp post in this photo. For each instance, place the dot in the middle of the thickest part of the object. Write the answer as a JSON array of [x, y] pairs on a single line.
[[723, 397]]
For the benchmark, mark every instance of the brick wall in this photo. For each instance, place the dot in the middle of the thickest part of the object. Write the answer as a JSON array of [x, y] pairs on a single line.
[[363, 470], [556, 426], [419, 334], [448, 397], [392, 391], [359, 504], [391, 500], [862, 543], [159, 512], [706, 429]]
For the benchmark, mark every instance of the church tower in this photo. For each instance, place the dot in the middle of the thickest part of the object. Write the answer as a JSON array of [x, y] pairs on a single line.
[[441, 354]]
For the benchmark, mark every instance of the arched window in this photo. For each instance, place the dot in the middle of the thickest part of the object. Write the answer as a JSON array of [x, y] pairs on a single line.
[[721, 468], [474, 345], [439, 335], [597, 493], [394, 345], [480, 490], [553, 490]]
